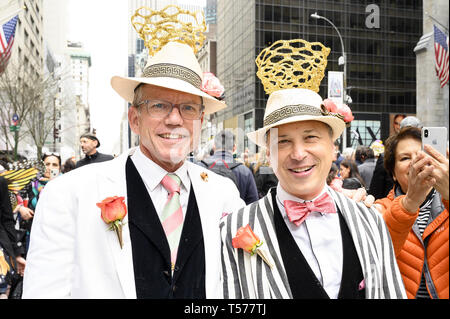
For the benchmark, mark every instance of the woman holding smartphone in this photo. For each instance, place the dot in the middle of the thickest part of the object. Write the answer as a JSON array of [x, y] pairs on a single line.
[[416, 213]]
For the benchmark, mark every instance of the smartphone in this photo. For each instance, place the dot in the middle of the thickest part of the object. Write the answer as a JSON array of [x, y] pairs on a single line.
[[54, 172], [436, 137]]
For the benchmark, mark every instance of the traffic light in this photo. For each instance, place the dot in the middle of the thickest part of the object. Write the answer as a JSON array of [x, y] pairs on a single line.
[[55, 133]]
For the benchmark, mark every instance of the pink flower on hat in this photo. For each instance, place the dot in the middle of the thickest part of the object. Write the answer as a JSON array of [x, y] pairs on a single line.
[[340, 108], [330, 105], [211, 85], [345, 111]]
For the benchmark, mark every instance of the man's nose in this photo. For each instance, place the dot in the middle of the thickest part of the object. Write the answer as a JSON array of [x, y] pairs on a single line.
[[298, 152], [174, 117]]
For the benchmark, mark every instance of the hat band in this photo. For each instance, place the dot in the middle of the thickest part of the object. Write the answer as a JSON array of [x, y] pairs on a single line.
[[296, 110], [173, 71]]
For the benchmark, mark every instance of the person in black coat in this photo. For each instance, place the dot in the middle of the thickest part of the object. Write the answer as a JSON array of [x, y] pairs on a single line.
[[89, 144], [381, 183], [8, 242], [224, 146]]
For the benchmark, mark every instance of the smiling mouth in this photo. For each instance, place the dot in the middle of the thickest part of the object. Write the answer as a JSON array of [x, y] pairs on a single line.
[[172, 136], [302, 169]]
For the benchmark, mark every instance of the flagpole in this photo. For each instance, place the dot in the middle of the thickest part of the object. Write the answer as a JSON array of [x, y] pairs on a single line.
[[10, 15], [436, 21]]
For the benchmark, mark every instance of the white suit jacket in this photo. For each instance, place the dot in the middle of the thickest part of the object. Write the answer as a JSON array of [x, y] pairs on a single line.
[[73, 254]]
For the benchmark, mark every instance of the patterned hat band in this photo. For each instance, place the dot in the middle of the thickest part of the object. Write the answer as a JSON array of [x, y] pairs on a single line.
[[297, 110], [173, 71]]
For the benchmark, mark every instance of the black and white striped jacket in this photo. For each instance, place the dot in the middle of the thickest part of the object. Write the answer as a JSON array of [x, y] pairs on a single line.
[[246, 276]]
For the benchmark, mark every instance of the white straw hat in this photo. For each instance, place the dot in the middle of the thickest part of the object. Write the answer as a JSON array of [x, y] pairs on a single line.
[[291, 71], [295, 105], [174, 65]]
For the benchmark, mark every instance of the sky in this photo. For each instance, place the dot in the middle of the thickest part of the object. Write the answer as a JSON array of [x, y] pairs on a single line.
[[103, 29]]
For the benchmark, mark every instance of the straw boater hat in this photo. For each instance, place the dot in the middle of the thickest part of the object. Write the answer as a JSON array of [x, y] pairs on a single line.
[[172, 45], [291, 71]]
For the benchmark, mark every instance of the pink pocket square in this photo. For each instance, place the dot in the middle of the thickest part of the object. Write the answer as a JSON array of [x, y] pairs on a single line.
[[362, 285]]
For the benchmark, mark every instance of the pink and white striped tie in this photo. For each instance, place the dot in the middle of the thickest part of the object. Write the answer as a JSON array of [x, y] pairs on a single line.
[[172, 214]]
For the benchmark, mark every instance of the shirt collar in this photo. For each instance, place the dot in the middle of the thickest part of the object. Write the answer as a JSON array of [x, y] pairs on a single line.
[[152, 174], [225, 155], [283, 195], [92, 156]]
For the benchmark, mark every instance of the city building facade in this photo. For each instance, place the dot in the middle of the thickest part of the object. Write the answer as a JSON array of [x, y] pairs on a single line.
[[72, 69], [80, 63], [432, 99], [379, 39], [27, 54]]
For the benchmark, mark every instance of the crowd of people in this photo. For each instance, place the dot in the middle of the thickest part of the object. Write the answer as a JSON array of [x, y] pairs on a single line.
[[18, 208], [381, 169], [302, 220]]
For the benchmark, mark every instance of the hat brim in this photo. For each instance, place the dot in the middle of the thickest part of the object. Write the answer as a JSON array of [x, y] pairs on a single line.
[[125, 86], [337, 125]]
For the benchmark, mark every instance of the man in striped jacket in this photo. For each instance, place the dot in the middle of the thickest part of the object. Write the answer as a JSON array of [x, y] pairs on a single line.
[[304, 239]]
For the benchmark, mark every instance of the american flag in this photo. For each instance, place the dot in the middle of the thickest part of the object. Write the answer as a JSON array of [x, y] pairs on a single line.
[[441, 53], [6, 41]]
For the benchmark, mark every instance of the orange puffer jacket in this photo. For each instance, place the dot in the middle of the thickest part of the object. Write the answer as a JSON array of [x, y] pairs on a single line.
[[414, 253]]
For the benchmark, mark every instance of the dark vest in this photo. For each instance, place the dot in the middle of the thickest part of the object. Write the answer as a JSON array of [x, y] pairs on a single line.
[[151, 252], [302, 280]]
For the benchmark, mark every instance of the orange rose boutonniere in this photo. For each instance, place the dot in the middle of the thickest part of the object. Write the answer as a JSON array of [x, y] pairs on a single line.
[[247, 240], [113, 210]]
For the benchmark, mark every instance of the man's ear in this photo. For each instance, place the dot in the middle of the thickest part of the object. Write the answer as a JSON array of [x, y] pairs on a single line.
[[133, 119]]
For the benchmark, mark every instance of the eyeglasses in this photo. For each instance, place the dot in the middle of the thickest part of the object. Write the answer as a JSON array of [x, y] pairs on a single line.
[[160, 109]]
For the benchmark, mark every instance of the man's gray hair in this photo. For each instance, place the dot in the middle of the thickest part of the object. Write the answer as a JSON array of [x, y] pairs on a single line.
[[224, 140], [137, 95]]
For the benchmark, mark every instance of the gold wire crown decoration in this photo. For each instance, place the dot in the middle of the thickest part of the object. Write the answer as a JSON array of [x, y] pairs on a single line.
[[157, 28], [292, 64]]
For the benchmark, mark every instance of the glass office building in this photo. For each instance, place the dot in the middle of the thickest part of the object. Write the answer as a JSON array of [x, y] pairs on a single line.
[[379, 38]]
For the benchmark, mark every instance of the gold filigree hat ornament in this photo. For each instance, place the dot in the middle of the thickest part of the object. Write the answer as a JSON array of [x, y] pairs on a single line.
[[291, 72], [172, 37]]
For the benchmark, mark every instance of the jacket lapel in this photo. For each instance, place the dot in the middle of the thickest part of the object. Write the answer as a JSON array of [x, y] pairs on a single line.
[[355, 225], [268, 282], [210, 218], [142, 213], [112, 182]]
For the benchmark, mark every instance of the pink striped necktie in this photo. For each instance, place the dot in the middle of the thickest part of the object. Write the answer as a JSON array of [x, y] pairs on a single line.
[[172, 214]]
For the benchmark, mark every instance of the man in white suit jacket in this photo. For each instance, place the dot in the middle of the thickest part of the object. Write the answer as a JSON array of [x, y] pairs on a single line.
[[72, 252], [74, 255]]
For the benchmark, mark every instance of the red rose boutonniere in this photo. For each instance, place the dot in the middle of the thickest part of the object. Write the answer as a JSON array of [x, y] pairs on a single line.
[[247, 240], [113, 210]]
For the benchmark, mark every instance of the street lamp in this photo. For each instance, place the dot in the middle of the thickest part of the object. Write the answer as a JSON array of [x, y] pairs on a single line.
[[341, 61]]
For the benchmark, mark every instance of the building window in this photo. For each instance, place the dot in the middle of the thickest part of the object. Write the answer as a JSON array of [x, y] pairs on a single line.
[[364, 132], [248, 127]]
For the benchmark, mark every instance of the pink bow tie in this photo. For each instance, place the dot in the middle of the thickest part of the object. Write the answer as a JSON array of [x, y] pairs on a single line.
[[297, 212]]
